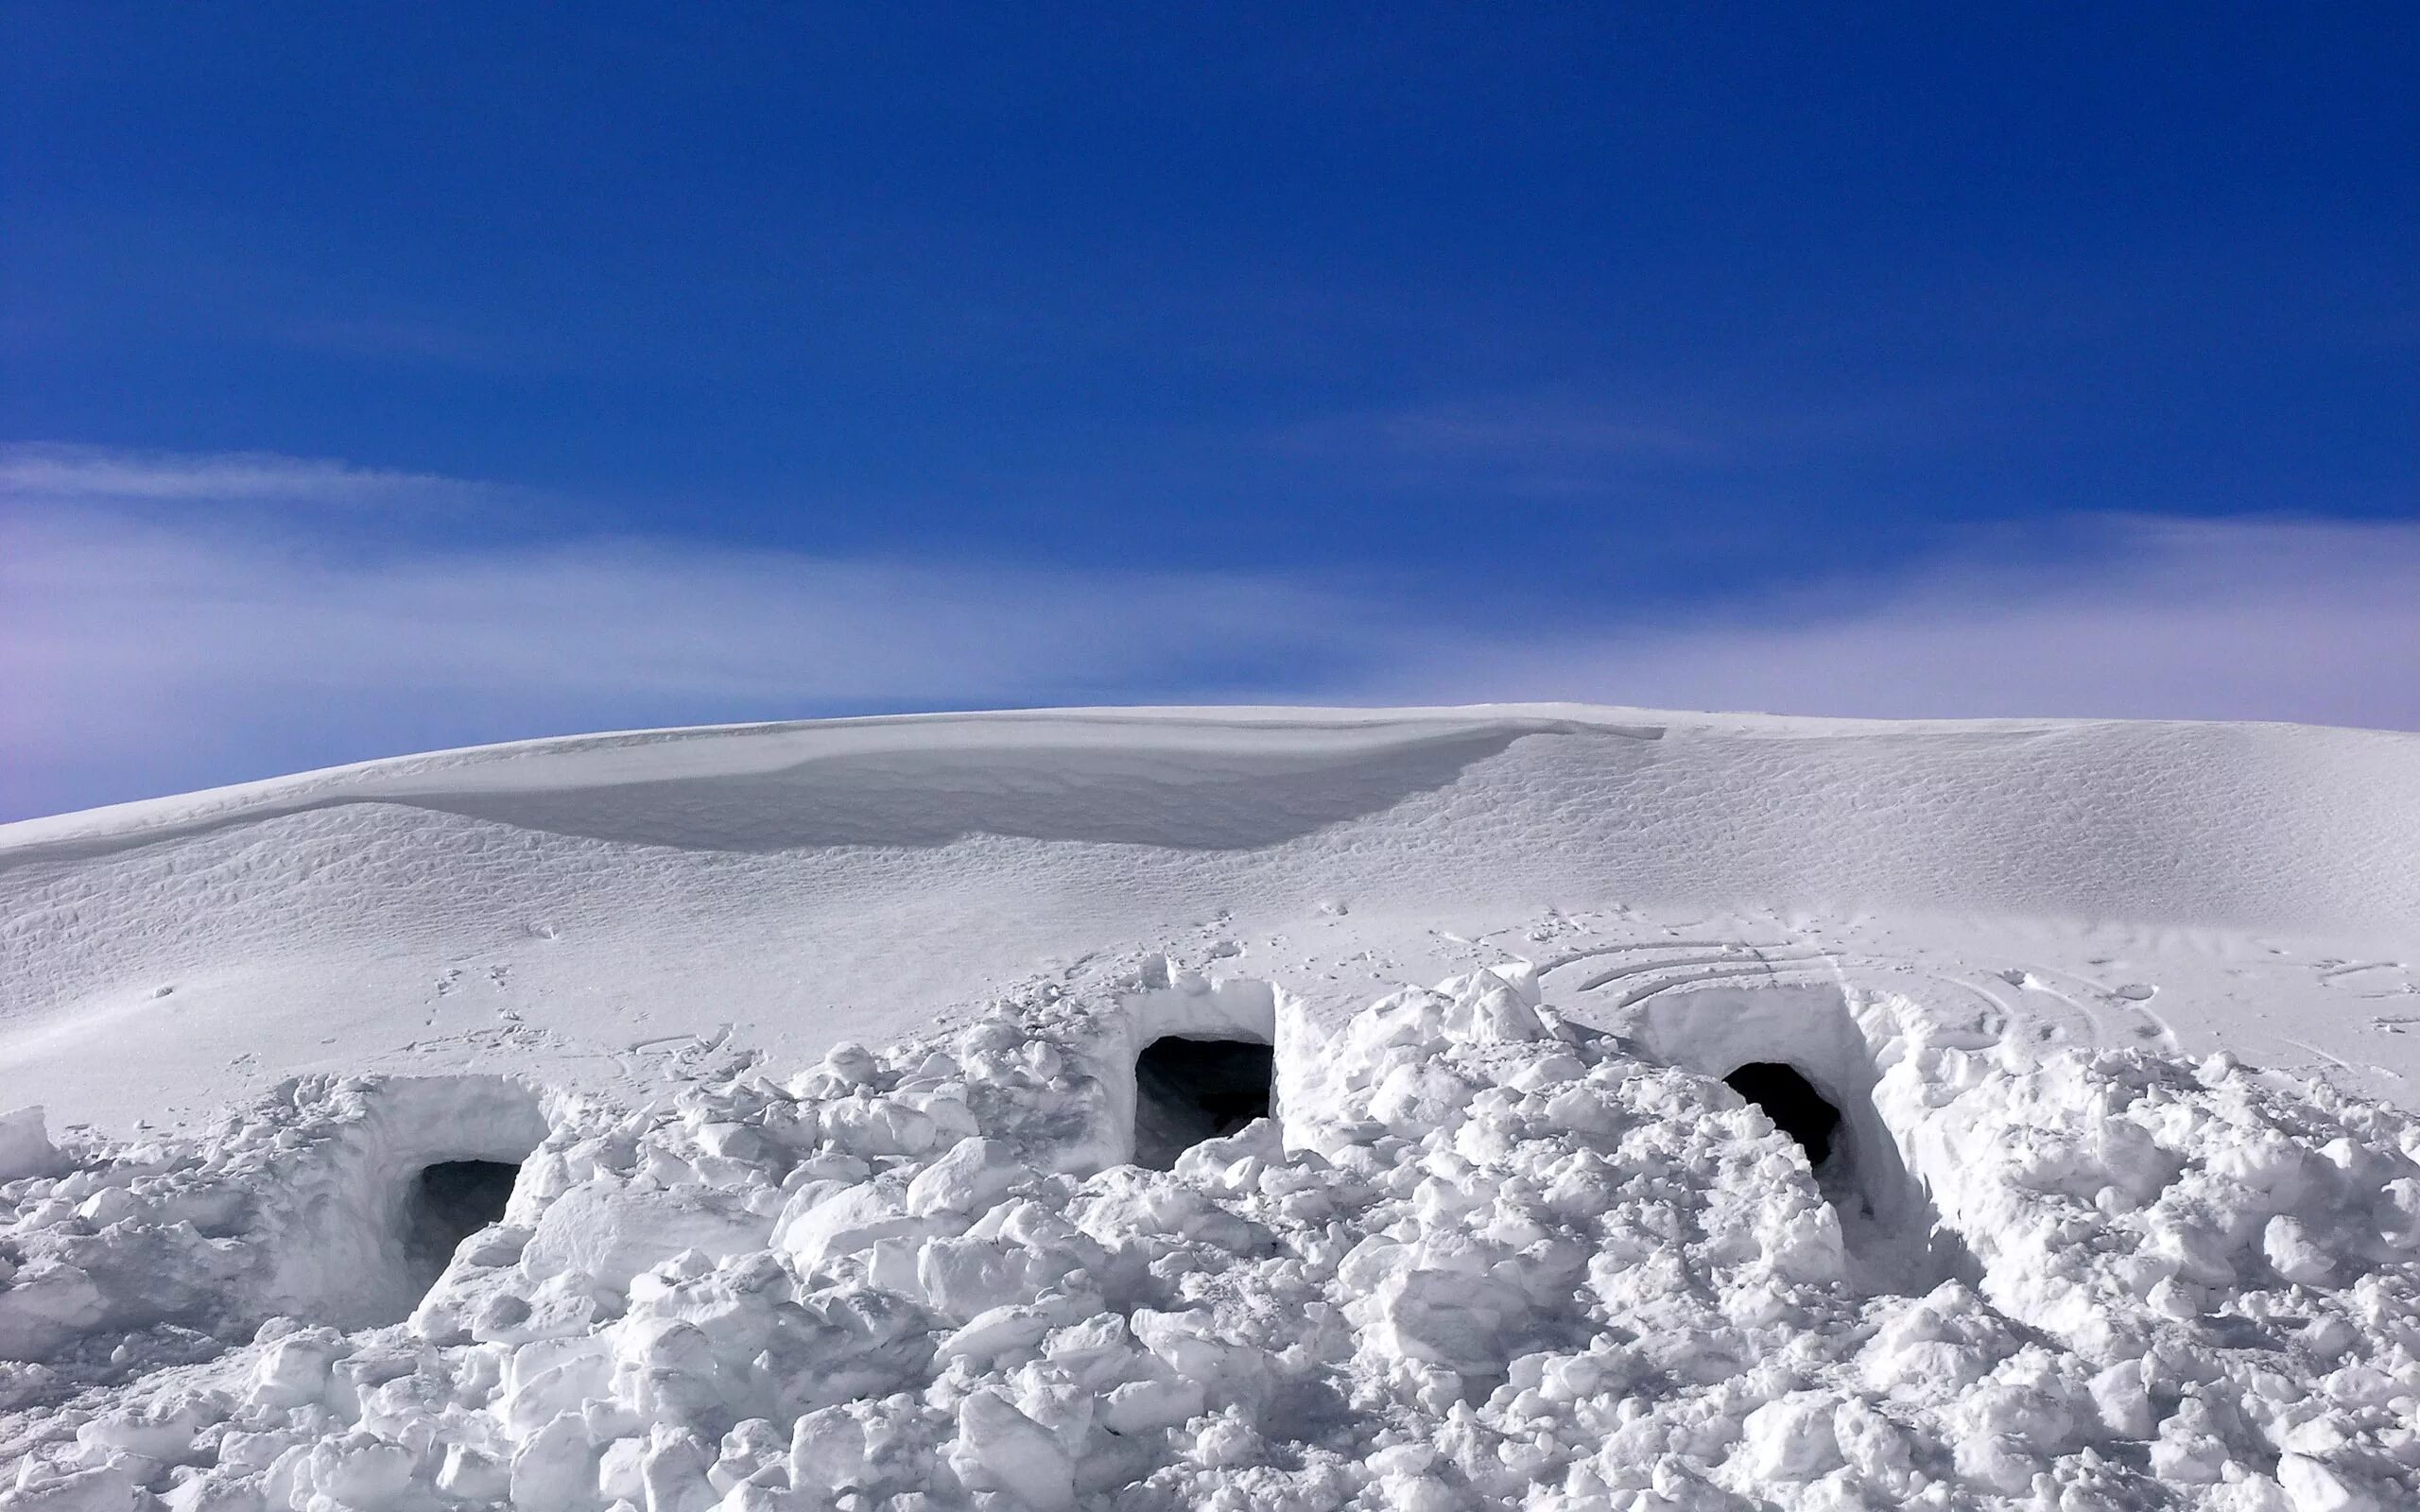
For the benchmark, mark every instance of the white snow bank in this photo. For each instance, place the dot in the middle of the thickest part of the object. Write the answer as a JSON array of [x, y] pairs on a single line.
[[581, 909], [303, 1205], [1485, 1257]]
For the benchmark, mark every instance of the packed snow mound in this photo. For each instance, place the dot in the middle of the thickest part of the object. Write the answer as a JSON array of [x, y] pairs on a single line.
[[1479, 1256], [602, 910], [1806, 1114]]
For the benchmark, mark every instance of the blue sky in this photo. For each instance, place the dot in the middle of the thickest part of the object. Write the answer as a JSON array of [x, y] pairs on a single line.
[[380, 377]]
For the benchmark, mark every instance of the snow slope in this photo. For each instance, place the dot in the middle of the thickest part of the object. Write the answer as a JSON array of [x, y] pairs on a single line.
[[594, 1008], [585, 907]]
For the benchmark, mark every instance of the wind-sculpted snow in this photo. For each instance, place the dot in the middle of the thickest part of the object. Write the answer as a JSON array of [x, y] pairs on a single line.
[[1483, 1257], [563, 909]]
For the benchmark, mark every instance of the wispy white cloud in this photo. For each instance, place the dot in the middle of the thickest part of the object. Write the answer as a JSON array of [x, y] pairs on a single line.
[[45, 472], [178, 613], [1572, 443], [2300, 620], [1681, 454], [140, 654], [147, 651]]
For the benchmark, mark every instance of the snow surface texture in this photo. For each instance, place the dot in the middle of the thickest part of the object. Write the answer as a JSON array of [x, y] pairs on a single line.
[[602, 910], [1506, 1242], [1483, 1257]]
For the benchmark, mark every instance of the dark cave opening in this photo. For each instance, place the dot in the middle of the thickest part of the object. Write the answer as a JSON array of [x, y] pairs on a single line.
[[1792, 1103], [1187, 1090], [447, 1203]]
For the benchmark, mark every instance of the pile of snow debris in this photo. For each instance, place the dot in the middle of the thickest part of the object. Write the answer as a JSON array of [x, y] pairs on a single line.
[[1480, 1258]]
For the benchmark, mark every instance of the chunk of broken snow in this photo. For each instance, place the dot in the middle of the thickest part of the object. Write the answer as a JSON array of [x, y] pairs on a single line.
[[610, 1231], [826, 1220], [26, 1149], [999, 1448], [975, 1174]]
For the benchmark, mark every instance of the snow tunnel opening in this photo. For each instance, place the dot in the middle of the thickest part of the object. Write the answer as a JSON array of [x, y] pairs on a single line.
[[406, 1169], [447, 1202], [1792, 1103], [1190, 1059], [1801, 1055], [1190, 1089]]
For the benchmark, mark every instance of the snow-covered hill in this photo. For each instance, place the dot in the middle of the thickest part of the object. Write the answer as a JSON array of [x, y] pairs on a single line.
[[2008, 1228], [586, 907]]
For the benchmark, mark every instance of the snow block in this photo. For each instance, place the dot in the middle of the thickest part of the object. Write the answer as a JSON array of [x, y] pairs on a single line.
[[26, 1149], [610, 1232]]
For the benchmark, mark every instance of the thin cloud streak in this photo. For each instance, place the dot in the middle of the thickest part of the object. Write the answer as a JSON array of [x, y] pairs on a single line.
[[60, 472], [137, 657], [144, 652], [1578, 429], [2304, 621], [1580, 448], [610, 617]]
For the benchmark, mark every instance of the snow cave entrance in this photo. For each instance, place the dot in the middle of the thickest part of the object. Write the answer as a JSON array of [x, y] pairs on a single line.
[[446, 1203], [1198, 1060], [1792, 1103], [420, 1164], [1188, 1090], [1800, 1056]]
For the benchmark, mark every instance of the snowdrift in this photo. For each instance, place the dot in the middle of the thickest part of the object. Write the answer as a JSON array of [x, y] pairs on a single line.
[[584, 907], [1543, 1107]]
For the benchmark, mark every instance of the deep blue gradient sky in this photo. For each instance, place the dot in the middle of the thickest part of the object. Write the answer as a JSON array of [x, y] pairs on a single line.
[[1585, 318]]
